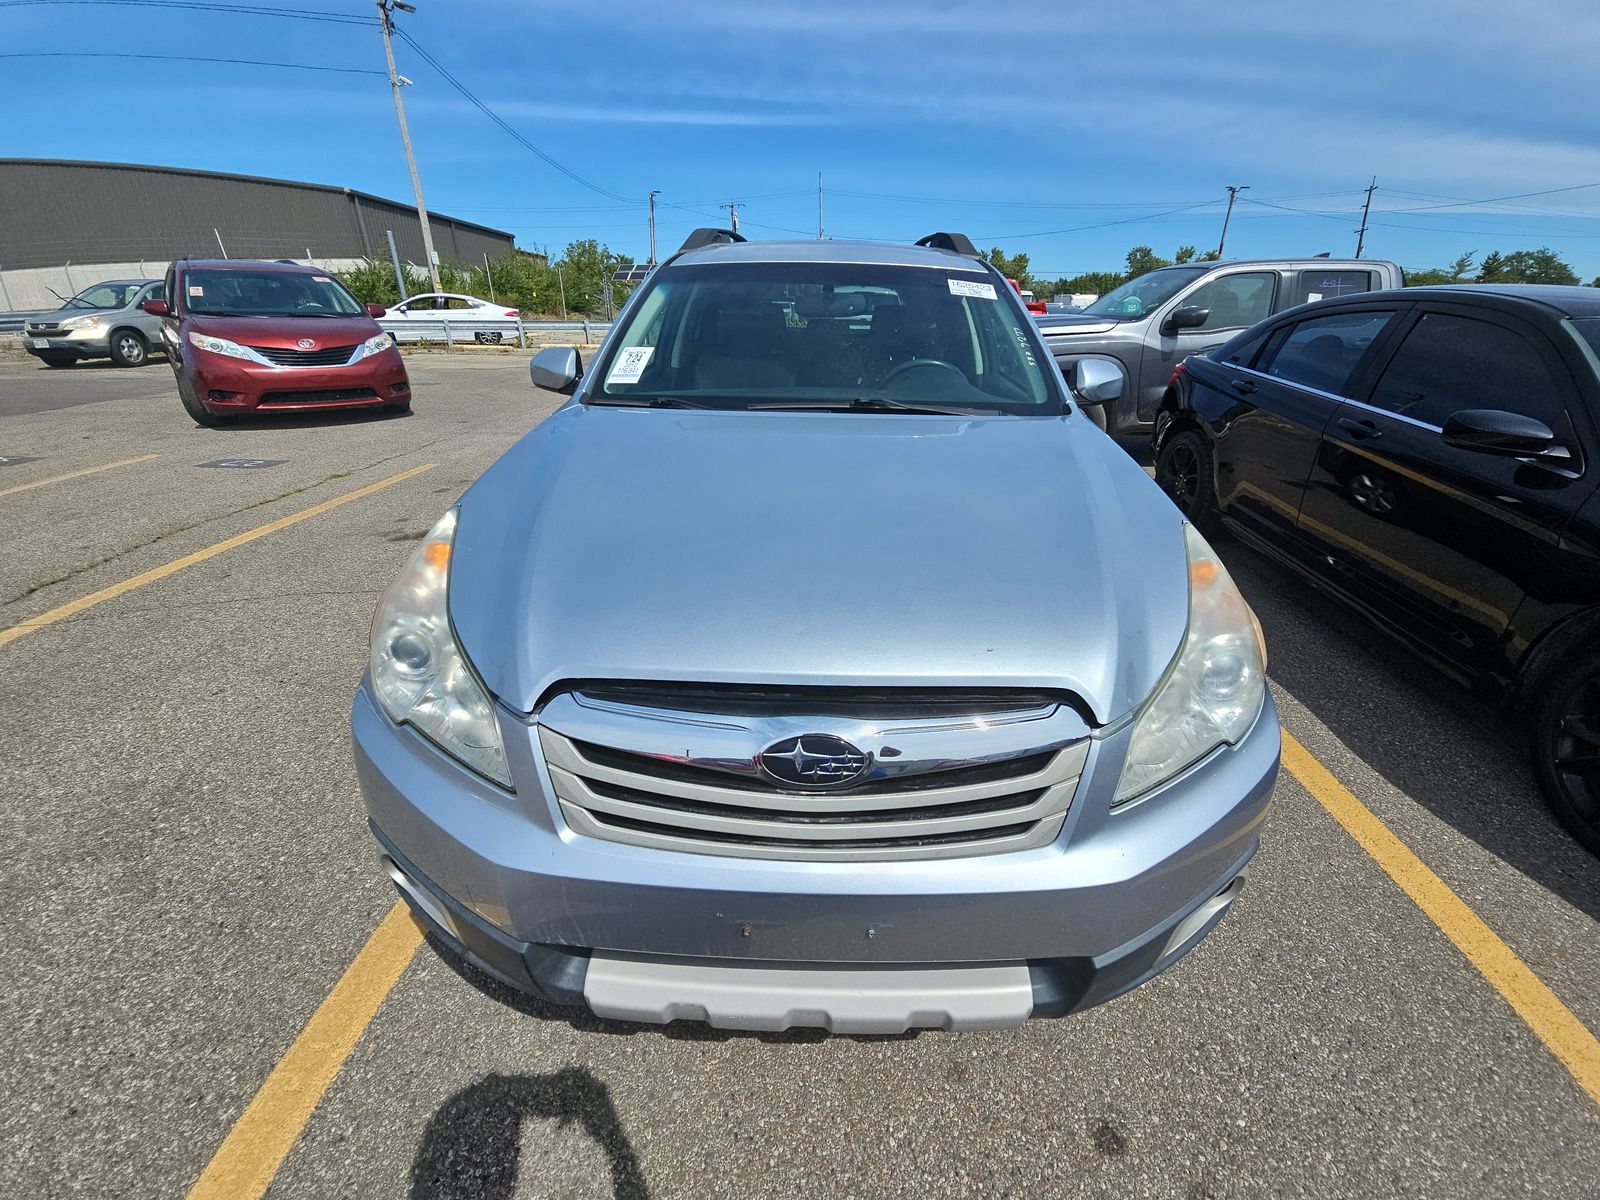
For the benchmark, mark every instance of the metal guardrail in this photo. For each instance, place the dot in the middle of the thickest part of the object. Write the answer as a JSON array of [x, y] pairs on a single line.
[[448, 332], [408, 330]]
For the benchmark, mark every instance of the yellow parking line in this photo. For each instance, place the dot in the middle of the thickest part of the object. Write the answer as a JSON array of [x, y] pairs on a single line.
[[268, 1128], [1532, 1000], [73, 608], [39, 483]]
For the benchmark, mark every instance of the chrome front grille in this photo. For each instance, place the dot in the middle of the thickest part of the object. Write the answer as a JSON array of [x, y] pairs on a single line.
[[285, 356], [940, 786]]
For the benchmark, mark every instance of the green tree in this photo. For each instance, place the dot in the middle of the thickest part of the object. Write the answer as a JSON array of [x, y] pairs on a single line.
[[1209, 256], [1461, 268], [1184, 254], [585, 267], [1537, 266], [1142, 260], [1013, 266]]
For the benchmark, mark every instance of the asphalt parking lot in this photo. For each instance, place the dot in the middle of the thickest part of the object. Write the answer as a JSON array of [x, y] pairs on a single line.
[[1403, 1003]]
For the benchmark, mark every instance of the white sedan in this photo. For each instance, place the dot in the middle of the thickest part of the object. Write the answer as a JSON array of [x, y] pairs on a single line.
[[464, 313]]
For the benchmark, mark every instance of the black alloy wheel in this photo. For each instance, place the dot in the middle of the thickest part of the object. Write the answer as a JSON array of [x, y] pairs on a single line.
[[1566, 747]]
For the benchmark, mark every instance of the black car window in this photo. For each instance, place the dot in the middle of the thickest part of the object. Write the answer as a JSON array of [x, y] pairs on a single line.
[[1240, 350], [1234, 301], [1448, 363], [1311, 286], [1322, 351]]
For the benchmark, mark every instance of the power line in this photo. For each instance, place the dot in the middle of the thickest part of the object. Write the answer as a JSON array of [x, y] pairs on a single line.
[[1011, 237], [254, 10], [495, 117], [239, 62]]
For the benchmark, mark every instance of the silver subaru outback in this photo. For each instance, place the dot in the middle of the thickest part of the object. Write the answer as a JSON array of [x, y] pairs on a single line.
[[818, 664]]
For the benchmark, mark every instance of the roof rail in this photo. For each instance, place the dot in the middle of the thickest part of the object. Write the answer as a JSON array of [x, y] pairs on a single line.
[[956, 243], [701, 238]]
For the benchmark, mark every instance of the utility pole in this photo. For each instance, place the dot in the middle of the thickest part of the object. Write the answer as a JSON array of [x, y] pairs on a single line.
[[653, 196], [733, 207], [1361, 234], [1233, 192], [562, 284], [395, 82], [819, 206]]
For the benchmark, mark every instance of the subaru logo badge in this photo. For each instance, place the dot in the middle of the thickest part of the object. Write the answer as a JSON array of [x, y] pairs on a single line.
[[306, 344], [813, 760]]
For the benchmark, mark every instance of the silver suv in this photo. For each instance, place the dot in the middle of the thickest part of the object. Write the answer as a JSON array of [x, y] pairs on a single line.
[[1143, 329], [817, 664], [103, 321]]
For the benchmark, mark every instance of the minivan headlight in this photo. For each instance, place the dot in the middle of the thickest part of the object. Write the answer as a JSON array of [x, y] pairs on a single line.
[[218, 345], [374, 345], [1214, 689], [419, 674]]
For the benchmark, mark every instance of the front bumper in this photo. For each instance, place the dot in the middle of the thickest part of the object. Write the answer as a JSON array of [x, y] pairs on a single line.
[[91, 341], [230, 385], [742, 943]]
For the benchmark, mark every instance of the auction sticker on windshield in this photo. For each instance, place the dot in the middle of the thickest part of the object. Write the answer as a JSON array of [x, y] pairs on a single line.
[[630, 364], [967, 287]]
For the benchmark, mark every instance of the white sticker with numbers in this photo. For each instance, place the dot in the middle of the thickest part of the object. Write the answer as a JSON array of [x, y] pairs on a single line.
[[967, 287], [630, 364]]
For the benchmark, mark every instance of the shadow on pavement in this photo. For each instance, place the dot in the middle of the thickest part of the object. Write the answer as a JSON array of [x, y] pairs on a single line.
[[309, 419], [472, 1147], [585, 1021], [1459, 756]]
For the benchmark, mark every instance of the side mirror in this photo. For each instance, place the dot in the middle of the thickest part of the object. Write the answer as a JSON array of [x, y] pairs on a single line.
[[156, 308], [1494, 431], [377, 310], [1097, 380], [1187, 317], [556, 369]]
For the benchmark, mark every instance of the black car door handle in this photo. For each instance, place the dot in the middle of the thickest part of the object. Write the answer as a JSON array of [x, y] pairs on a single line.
[[1361, 430], [1243, 386]]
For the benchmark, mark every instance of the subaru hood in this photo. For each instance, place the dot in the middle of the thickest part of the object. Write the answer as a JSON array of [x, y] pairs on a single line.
[[819, 548]]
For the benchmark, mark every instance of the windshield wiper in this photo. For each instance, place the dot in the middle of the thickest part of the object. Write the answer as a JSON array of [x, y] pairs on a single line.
[[864, 404], [647, 402]]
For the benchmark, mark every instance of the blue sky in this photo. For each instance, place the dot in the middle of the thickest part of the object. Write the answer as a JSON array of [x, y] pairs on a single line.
[[1023, 124]]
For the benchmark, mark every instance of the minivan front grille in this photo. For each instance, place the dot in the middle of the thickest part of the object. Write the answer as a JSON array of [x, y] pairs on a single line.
[[328, 356], [1015, 798]]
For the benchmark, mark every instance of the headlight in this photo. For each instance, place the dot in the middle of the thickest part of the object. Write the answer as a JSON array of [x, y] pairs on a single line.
[[1214, 688], [418, 671], [219, 346], [373, 345], [79, 322]]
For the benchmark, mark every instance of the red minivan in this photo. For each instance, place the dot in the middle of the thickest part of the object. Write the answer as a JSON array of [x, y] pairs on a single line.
[[274, 337]]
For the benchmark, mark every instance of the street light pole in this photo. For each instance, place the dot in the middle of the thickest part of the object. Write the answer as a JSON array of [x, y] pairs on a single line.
[[1232, 193], [395, 82]]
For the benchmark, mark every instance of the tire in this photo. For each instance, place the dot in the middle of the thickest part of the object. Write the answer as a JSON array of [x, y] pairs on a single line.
[[1566, 745], [488, 339], [128, 348], [192, 405], [56, 358], [1186, 471]]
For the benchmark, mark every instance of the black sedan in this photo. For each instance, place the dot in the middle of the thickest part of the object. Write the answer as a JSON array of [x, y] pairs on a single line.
[[1430, 456]]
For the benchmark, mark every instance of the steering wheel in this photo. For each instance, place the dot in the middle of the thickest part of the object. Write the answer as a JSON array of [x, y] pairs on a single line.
[[912, 364]]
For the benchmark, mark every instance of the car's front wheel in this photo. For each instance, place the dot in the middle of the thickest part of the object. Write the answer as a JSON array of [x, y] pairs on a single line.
[[193, 406], [1184, 469], [128, 348], [1566, 746]]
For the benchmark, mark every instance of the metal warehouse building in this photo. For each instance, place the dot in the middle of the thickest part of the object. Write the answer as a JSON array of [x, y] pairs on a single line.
[[54, 213]]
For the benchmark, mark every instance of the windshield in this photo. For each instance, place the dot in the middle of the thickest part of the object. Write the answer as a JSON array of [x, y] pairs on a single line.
[[827, 335], [1144, 294], [221, 292], [117, 294]]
